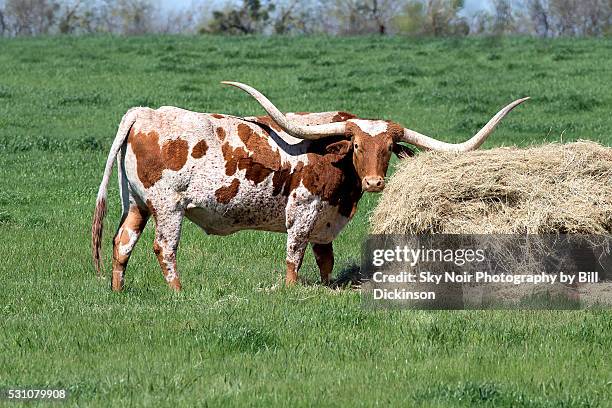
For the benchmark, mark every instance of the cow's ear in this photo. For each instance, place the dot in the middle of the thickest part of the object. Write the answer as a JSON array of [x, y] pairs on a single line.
[[402, 151], [342, 147]]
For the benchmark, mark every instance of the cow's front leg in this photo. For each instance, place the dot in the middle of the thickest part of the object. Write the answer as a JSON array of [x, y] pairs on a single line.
[[301, 219], [296, 246], [165, 246], [324, 255]]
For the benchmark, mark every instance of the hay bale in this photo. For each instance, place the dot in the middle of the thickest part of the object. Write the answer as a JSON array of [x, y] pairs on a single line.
[[552, 188]]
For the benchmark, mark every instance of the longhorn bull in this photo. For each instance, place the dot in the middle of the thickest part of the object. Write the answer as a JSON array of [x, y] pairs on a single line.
[[302, 174]]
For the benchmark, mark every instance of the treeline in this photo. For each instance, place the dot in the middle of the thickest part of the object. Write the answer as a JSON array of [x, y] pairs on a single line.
[[544, 18], [124, 17]]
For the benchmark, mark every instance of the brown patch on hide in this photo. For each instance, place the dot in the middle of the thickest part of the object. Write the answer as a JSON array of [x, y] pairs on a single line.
[[245, 133], [284, 180], [280, 177], [149, 164], [259, 148], [232, 156], [220, 133], [217, 116], [174, 153], [226, 193], [343, 117], [151, 160], [255, 172], [296, 178], [261, 160], [199, 149], [268, 121]]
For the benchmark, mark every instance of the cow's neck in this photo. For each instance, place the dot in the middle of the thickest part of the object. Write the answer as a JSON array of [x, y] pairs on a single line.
[[351, 188], [330, 176], [334, 178]]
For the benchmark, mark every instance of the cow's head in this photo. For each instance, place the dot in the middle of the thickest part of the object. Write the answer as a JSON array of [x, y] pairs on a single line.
[[371, 142]]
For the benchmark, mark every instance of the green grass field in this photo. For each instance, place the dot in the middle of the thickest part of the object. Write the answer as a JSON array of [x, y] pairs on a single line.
[[233, 337]]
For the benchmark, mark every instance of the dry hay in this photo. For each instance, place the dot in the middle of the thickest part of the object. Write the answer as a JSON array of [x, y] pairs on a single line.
[[554, 188]]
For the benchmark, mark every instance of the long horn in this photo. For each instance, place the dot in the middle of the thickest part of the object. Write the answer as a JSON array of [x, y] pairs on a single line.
[[426, 142], [301, 132]]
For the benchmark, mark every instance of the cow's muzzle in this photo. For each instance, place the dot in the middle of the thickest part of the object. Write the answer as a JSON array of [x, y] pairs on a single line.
[[373, 184]]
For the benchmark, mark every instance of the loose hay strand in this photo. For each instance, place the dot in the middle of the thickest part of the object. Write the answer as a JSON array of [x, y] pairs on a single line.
[[553, 188]]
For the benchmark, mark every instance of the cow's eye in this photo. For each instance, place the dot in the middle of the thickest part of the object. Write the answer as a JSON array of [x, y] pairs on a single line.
[[356, 146]]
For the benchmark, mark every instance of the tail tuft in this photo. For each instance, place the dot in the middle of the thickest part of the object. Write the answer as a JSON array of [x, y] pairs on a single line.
[[96, 234]]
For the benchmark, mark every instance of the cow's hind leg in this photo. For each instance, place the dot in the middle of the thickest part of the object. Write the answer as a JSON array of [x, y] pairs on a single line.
[[324, 255], [167, 235], [130, 229]]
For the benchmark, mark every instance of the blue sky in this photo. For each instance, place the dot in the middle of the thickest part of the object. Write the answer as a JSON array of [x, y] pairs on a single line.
[[470, 5]]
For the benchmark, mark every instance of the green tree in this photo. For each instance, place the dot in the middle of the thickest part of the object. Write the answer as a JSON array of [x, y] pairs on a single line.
[[31, 17], [432, 18], [503, 21], [250, 18]]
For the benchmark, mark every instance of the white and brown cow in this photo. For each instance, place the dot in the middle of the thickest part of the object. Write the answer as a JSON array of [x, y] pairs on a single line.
[[301, 173]]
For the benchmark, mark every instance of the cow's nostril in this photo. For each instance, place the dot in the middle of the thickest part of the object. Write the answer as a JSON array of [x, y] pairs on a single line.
[[379, 183]]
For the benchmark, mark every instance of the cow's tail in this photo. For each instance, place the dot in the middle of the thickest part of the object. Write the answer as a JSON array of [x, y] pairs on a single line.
[[98, 219]]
